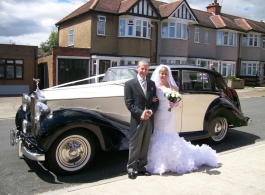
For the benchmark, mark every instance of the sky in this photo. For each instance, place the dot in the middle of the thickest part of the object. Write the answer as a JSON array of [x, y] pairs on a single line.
[[30, 22]]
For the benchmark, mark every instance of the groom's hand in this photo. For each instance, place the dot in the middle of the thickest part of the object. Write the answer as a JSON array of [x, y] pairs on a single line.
[[147, 114]]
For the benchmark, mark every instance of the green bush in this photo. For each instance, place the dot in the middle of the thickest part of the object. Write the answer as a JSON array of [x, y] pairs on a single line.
[[233, 78]]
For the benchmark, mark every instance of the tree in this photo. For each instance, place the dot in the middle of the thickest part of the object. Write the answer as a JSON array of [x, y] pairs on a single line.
[[46, 47]]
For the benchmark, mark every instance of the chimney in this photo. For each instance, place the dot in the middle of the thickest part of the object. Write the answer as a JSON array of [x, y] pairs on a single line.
[[214, 8]]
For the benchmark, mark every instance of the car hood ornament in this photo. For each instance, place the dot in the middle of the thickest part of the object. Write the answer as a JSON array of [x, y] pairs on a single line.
[[37, 83]]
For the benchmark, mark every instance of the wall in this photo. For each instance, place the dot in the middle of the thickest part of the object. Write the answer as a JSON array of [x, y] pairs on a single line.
[[82, 32], [105, 44], [60, 51], [29, 55], [202, 50]]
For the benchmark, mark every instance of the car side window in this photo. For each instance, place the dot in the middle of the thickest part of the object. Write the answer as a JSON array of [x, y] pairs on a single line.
[[175, 74], [195, 80]]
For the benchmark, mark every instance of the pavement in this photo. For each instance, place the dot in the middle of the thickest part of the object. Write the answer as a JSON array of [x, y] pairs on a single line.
[[241, 171]]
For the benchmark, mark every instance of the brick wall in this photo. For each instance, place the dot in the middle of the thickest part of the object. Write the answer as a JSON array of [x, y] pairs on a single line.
[[60, 51], [29, 56]]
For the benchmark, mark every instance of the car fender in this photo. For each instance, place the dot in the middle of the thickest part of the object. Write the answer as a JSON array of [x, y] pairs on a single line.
[[221, 107], [63, 120]]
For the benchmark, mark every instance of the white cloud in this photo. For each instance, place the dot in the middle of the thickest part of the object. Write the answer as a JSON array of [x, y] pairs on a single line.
[[30, 22]]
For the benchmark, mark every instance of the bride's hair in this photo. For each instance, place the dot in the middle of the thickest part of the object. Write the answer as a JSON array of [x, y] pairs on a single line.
[[163, 68]]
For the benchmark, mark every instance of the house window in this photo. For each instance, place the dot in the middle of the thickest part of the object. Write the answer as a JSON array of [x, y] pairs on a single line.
[[101, 25], [122, 25], [164, 30], [249, 68], [11, 69], [174, 30], [130, 27], [251, 40], [71, 37], [207, 37], [134, 28], [196, 35], [226, 38], [138, 28]]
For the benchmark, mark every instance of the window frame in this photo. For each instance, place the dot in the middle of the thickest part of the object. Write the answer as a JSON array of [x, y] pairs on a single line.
[[71, 37], [249, 66], [174, 30], [207, 37], [15, 65], [101, 23], [197, 35], [251, 40], [226, 38], [135, 28]]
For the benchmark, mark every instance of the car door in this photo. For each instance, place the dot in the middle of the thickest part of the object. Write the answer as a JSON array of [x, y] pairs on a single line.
[[196, 90]]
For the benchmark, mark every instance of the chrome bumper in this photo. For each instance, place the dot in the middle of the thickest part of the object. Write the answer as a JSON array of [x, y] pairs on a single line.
[[15, 140]]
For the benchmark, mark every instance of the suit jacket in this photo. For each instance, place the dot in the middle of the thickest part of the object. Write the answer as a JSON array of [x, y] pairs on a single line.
[[136, 101]]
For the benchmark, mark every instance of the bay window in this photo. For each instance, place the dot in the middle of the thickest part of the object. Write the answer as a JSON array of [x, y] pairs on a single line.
[[226, 38], [174, 30], [249, 68], [251, 40], [133, 27]]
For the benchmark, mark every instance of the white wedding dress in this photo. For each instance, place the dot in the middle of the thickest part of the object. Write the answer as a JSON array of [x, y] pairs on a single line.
[[170, 153]]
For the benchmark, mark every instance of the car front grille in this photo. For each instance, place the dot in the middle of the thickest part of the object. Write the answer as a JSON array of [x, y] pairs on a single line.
[[32, 111]]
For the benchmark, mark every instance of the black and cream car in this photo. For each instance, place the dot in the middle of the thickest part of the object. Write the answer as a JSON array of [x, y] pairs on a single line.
[[66, 123]]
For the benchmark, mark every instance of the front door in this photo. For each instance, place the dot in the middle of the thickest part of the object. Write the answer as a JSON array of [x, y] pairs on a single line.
[[103, 66]]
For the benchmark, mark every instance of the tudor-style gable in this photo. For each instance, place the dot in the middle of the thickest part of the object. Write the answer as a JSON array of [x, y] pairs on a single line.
[[177, 10], [183, 12], [144, 8]]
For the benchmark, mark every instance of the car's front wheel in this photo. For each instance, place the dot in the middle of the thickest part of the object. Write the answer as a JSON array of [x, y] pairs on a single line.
[[71, 152], [220, 129]]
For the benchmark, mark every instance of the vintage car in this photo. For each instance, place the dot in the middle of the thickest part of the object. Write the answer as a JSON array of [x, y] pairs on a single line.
[[66, 123]]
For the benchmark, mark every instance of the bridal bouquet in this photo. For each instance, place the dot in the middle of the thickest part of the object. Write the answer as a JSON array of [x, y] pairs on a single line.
[[173, 97]]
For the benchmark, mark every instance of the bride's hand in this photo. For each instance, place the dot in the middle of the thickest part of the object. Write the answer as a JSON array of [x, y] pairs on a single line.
[[155, 99]]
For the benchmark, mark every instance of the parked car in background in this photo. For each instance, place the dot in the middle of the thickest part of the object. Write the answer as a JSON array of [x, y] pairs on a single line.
[[64, 124]]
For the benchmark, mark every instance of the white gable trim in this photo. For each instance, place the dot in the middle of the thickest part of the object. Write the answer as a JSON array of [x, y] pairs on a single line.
[[143, 8], [183, 12]]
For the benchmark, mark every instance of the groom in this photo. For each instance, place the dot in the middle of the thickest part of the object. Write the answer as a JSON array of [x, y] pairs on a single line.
[[138, 95]]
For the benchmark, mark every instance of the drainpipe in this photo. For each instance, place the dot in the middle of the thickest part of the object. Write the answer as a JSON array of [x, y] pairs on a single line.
[[238, 56]]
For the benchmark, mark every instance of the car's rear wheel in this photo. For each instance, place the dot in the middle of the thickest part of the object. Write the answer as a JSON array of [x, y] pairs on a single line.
[[220, 129], [71, 153]]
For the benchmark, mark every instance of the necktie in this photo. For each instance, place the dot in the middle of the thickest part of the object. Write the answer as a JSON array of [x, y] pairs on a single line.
[[143, 83]]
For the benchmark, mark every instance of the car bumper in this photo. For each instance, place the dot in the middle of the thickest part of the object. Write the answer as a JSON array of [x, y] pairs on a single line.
[[17, 140]]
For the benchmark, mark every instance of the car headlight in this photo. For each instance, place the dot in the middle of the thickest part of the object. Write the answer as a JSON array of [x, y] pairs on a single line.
[[25, 102], [40, 109]]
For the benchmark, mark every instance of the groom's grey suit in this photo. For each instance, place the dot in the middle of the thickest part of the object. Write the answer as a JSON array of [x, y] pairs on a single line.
[[136, 102]]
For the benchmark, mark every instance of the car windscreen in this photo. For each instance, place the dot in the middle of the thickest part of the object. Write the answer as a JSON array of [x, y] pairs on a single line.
[[115, 74]]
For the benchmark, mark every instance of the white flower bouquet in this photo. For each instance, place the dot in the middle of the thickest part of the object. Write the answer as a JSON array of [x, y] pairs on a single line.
[[173, 97]]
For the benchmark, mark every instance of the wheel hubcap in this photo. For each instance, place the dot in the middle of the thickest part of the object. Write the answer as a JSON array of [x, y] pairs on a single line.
[[73, 153], [220, 129]]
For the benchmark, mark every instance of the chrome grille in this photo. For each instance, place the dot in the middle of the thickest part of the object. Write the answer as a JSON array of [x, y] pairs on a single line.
[[32, 112]]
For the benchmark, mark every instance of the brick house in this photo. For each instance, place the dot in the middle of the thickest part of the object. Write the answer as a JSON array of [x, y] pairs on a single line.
[[17, 69], [117, 32]]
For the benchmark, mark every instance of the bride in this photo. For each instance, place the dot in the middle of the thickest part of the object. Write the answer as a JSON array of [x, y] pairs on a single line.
[[167, 151]]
